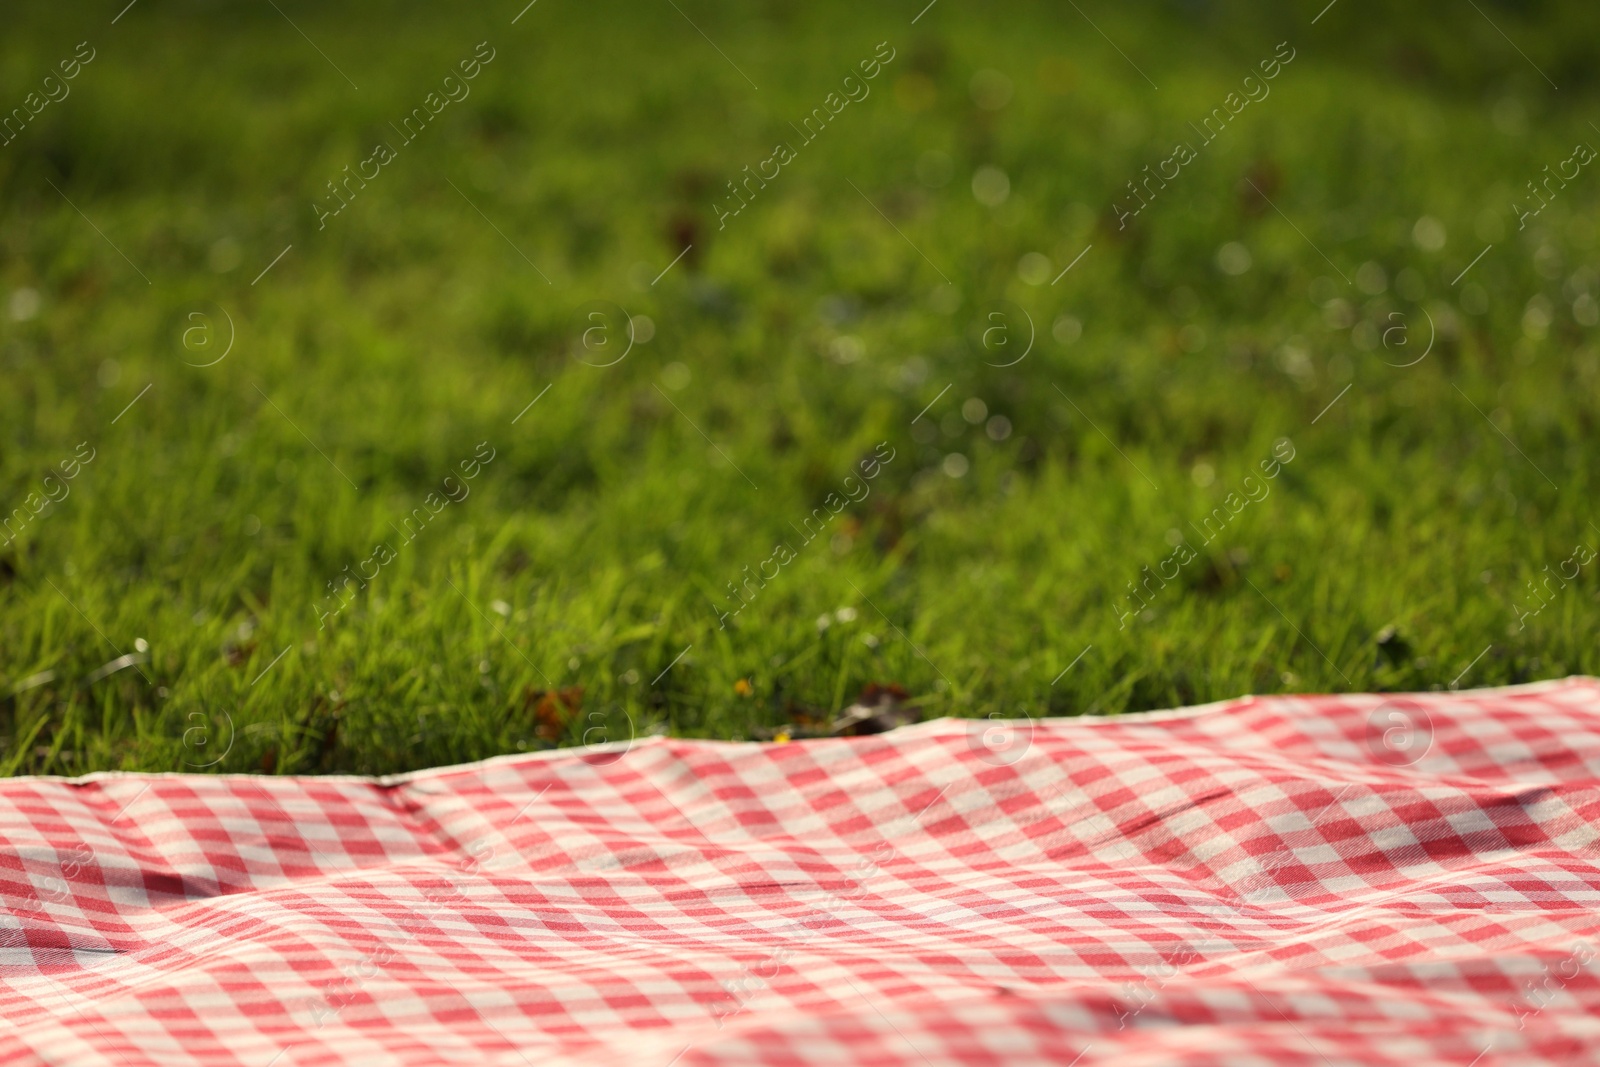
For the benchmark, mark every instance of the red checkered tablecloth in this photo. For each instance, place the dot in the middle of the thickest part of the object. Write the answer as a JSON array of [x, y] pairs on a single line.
[[1368, 879]]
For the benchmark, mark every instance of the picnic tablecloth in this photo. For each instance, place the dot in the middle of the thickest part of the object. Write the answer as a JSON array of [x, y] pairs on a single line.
[[1317, 880]]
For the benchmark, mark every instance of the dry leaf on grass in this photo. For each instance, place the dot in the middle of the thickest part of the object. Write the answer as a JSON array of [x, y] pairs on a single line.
[[552, 710]]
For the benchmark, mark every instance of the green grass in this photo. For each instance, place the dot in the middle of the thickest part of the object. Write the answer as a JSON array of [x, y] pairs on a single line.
[[598, 543]]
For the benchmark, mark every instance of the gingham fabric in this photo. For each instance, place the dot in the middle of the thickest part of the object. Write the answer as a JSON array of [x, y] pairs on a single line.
[[1310, 880]]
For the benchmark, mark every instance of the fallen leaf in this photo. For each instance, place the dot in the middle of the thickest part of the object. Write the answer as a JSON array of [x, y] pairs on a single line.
[[552, 710]]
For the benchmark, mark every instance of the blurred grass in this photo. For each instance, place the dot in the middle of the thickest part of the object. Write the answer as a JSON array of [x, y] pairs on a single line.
[[598, 544]]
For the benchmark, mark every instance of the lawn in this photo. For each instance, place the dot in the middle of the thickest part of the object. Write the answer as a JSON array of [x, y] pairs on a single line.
[[391, 385]]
